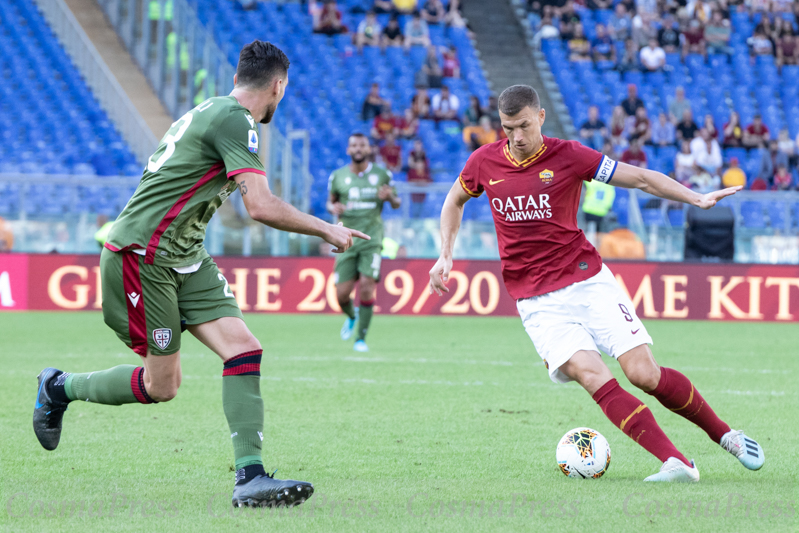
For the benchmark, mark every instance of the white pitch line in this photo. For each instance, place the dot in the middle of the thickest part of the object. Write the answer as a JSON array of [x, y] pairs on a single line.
[[735, 370]]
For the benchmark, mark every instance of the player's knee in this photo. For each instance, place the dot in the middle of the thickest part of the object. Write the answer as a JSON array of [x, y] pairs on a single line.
[[164, 393], [645, 379]]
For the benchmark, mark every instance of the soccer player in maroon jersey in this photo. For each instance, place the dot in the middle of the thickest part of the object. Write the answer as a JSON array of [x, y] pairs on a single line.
[[569, 302]]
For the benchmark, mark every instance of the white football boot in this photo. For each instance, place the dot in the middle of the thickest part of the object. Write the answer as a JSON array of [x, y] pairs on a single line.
[[744, 448], [674, 470]]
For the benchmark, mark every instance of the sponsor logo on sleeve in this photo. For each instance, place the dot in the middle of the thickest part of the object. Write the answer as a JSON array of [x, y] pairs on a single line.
[[252, 141], [605, 170]]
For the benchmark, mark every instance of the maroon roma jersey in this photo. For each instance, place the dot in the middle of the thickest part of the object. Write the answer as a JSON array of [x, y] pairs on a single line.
[[534, 203]]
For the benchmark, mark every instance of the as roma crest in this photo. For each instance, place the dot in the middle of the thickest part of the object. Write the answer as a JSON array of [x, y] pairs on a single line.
[[162, 337], [546, 175]]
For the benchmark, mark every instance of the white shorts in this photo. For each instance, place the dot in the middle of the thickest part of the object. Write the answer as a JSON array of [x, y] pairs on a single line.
[[594, 314]]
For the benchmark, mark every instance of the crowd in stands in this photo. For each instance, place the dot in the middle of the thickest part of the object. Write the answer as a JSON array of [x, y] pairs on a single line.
[[638, 36], [433, 100]]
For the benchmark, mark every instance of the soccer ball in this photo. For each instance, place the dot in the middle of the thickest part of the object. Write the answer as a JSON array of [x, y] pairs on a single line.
[[583, 453]]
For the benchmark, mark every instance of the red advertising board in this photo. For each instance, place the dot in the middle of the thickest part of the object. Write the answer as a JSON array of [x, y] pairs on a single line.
[[306, 285]]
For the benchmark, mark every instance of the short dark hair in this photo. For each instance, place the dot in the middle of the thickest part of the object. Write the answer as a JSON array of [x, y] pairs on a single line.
[[517, 97], [259, 63], [357, 134]]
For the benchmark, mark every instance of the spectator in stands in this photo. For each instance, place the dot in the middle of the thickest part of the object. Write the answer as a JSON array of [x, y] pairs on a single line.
[[330, 19], [405, 7], [492, 110], [642, 128], [6, 237], [369, 31], [454, 18], [391, 153], [733, 131], [420, 103], [643, 31], [408, 126], [620, 24], [770, 160], [433, 12], [679, 105], [686, 128], [653, 57], [783, 180], [618, 127], [706, 152], [416, 32], [578, 45], [629, 60], [444, 105], [384, 6], [418, 173], [476, 136], [383, 124], [451, 67], [684, 167], [432, 68], [693, 39], [710, 126], [663, 132], [669, 35], [634, 155], [787, 146], [788, 48], [392, 34], [593, 132], [704, 182], [569, 19], [756, 134], [603, 48], [372, 104], [473, 113], [717, 34], [546, 30], [632, 102], [609, 150], [699, 10], [593, 5], [760, 44], [733, 176]]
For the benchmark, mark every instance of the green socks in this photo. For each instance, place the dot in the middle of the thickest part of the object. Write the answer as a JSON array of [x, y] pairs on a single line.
[[115, 386], [349, 309], [244, 408], [364, 317]]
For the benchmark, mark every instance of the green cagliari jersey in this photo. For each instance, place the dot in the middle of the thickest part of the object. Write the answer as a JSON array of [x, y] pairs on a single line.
[[185, 181], [359, 193]]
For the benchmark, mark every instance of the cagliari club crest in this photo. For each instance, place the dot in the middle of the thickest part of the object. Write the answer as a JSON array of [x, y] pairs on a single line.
[[546, 175], [162, 337]]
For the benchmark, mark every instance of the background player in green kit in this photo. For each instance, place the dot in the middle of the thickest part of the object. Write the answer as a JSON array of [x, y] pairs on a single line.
[[357, 194], [157, 277]]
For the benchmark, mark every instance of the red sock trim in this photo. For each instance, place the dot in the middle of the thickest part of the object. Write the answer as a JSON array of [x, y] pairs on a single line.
[[367, 303], [245, 364], [137, 323], [137, 386]]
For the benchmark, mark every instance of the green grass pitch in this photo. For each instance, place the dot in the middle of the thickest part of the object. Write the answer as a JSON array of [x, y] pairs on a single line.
[[452, 410]]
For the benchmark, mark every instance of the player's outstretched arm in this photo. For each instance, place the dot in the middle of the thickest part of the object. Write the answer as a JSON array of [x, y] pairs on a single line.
[[451, 216], [268, 209], [662, 186]]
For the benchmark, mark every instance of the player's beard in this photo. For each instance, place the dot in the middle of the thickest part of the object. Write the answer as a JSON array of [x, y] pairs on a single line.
[[270, 112], [359, 159]]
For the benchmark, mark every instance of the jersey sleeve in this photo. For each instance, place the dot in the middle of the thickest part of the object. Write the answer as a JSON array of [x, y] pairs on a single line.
[[237, 143], [592, 165], [470, 175], [331, 185]]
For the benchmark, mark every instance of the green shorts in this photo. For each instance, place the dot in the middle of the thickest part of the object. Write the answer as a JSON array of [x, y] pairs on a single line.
[[358, 261], [146, 304]]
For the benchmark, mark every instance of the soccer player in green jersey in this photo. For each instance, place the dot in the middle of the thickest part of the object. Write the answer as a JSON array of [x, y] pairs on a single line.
[[157, 277], [357, 194]]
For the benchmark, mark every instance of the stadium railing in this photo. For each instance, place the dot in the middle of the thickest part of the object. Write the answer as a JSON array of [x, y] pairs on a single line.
[[109, 93]]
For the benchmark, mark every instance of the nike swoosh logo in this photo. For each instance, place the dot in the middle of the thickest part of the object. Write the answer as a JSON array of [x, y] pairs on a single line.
[[38, 394], [636, 331], [492, 182]]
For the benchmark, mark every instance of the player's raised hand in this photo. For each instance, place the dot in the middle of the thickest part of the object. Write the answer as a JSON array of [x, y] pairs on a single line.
[[385, 192], [710, 199], [341, 237], [439, 276]]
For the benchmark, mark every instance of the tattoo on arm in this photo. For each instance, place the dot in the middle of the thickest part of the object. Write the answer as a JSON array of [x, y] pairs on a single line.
[[243, 187]]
